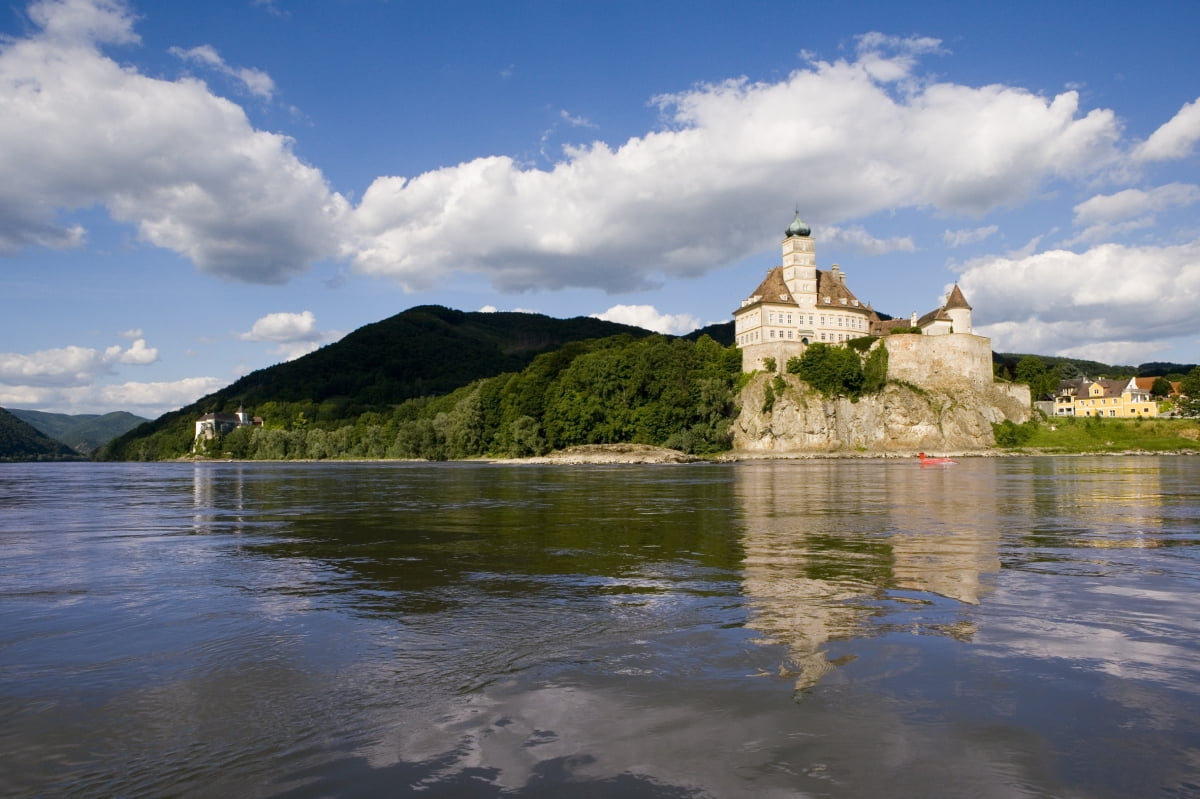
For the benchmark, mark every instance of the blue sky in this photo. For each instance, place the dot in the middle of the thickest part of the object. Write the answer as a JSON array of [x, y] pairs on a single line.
[[194, 191]]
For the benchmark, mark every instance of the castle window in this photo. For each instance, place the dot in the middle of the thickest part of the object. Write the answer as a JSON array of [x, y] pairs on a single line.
[[822, 337], [789, 318], [822, 321], [790, 334]]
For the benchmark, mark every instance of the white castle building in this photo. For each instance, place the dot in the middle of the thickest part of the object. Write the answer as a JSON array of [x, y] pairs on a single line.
[[798, 304]]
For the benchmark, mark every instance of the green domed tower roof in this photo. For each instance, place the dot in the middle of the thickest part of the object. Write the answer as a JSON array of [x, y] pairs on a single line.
[[798, 227]]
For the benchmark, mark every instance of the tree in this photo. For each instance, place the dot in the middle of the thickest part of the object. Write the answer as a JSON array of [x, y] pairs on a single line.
[[829, 369], [1190, 385], [1161, 387], [1033, 372], [526, 437]]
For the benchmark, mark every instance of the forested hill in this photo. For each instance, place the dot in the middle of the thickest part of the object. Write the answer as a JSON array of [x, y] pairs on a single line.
[[424, 351], [21, 442]]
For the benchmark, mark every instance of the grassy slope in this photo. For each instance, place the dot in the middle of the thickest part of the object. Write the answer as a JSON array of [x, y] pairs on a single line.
[[1081, 435]]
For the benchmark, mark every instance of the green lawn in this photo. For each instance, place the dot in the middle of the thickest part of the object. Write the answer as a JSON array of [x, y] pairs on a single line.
[[1094, 434]]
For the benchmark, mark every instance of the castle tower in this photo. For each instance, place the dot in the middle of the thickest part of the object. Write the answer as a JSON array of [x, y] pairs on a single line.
[[958, 310], [800, 263]]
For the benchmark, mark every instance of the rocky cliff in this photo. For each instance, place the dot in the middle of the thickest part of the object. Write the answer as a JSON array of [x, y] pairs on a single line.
[[901, 418]]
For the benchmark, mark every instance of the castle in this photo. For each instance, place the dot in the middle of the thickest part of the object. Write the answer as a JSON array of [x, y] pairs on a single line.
[[798, 304]]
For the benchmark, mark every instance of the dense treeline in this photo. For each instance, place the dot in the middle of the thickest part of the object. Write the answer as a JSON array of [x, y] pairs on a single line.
[[425, 351], [657, 390], [1023, 367], [1044, 373]]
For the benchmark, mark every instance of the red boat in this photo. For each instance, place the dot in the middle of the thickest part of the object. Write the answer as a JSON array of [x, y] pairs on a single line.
[[928, 461]]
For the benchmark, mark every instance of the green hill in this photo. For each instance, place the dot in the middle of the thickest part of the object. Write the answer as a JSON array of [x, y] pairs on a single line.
[[424, 351], [19, 441], [83, 432]]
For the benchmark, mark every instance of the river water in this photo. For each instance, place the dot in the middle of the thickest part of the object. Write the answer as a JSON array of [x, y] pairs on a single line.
[[1003, 627]]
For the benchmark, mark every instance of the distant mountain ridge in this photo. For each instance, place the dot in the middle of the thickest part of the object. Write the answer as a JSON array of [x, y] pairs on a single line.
[[20, 441], [82, 432]]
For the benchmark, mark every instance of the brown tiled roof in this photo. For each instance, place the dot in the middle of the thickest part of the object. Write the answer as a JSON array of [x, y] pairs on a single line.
[[1113, 388], [933, 316], [773, 289], [956, 299], [1076, 387], [834, 287]]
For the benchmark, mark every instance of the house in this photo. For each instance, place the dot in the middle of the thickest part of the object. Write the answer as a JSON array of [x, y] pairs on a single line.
[[797, 304], [211, 425], [1123, 398]]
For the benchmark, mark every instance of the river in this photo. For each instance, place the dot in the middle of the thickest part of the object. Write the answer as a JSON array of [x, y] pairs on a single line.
[[1002, 627]]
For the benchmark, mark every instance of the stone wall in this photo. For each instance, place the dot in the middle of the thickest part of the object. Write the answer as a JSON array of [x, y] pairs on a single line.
[[780, 350], [940, 361]]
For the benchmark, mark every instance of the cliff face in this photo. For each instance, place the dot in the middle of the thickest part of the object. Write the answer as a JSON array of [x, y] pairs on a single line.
[[898, 419]]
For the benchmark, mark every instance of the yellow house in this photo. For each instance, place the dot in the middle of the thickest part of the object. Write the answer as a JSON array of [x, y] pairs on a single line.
[[1109, 398]]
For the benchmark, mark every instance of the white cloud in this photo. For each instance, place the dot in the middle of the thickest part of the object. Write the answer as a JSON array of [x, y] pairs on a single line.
[[1175, 139], [1107, 215], [863, 242], [959, 238], [132, 333], [284, 327], [168, 395], [181, 164], [892, 58], [295, 334], [84, 21], [138, 354], [649, 318], [144, 399], [1111, 299], [255, 81], [575, 121], [699, 193], [70, 366]]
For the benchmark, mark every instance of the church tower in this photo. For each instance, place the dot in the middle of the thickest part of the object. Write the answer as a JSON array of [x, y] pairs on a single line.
[[800, 263]]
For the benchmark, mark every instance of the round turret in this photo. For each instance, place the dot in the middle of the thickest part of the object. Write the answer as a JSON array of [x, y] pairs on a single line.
[[798, 227]]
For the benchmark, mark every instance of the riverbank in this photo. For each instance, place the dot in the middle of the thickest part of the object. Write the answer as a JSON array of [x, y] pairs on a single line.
[[645, 454]]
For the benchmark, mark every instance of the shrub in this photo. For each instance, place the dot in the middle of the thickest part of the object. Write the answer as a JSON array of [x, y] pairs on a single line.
[[830, 370], [875, 370], [862, 343], [1009, 434]]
